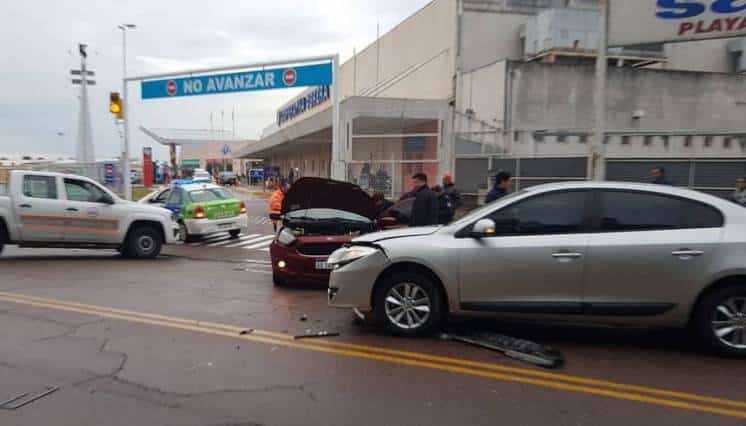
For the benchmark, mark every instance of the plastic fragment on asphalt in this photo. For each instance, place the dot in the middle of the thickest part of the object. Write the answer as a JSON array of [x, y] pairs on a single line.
[[315, 335], [26, 398], [511, 347]]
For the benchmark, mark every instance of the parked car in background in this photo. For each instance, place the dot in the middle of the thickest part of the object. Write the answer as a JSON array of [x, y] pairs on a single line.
[[228, 178], [319, 216], [201, 209], [67, 211], [590, 252], [157, 197], [201, 175]]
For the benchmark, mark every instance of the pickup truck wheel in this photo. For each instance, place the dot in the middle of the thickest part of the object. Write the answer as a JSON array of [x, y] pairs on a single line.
[[143, 243]]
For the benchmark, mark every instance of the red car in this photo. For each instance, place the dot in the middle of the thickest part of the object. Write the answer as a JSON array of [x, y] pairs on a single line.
[[318, 217]]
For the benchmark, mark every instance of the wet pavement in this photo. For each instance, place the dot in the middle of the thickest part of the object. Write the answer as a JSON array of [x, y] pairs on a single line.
[[200, 336]]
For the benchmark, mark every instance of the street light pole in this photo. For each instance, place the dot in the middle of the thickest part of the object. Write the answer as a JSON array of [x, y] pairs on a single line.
[[125, 166]]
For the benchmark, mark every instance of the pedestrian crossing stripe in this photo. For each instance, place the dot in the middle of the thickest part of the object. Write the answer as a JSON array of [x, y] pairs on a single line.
[[248, 242]]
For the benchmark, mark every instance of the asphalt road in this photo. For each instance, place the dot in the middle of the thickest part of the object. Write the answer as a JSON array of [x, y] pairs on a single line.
[[201, 337]]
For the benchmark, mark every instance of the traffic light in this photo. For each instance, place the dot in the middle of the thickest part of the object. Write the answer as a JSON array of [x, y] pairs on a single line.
[[115, 105]]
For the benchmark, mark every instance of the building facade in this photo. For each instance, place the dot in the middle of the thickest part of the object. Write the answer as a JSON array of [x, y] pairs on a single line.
[[470, 87]]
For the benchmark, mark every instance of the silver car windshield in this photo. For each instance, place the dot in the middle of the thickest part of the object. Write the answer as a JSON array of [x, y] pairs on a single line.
[[482, 211]]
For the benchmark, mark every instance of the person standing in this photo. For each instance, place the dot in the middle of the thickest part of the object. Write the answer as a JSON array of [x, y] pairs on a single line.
[[502, 184], [659, 176], [739, 195], [381, 203], [425, 207], [445, 205], [450, 190], [275, 203]]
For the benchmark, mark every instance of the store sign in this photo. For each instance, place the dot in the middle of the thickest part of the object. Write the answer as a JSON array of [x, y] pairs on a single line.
[[311, 100], [267, 79], [648, 21]]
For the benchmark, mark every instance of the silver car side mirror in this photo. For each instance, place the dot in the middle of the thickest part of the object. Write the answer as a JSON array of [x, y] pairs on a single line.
[[483, 228]]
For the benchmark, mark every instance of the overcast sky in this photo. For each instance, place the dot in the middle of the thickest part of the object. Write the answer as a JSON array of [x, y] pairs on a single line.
[[39, 41]]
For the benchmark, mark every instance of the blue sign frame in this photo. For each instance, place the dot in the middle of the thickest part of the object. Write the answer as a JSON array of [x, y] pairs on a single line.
[[248, 81]]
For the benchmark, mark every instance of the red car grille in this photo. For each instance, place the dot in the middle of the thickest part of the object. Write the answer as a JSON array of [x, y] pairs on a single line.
[[321, 249]]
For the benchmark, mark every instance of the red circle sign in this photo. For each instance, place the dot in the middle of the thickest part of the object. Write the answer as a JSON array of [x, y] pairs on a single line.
[[171, 88], [289, 76]]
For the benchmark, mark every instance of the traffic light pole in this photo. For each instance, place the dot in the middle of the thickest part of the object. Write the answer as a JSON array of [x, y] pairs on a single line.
[[126, 175]]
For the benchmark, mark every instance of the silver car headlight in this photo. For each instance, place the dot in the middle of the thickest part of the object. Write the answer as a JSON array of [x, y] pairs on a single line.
[[347, 255], [286, 237]]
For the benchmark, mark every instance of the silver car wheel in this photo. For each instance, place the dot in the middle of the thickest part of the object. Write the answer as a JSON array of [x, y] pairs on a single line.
[[729, 322], [407, 306]]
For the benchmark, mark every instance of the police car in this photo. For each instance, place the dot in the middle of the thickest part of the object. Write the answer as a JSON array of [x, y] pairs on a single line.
[[202, 209]]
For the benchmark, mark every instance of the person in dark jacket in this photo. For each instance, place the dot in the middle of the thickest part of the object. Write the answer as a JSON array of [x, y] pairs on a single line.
[[502, 184], [381, 203], [445, 205], [450, 189], [659, 176], [425, 207]]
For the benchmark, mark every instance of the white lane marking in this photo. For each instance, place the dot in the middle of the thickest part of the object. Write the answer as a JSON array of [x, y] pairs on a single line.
[[248, 239], [269, 239], [261, 262], [233, 241], [256, 240], [209, 239], [264, 249], [225, 240]]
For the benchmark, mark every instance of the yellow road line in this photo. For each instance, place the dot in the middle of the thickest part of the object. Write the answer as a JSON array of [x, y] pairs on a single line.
[[384, 356], [408, 354]]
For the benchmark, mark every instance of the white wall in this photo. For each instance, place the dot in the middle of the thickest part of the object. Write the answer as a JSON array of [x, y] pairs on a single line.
[[707, 55], [489, 36], [483, 91]]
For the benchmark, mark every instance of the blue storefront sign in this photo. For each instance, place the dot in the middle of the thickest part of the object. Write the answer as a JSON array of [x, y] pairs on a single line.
[[267, 79], [316, 97]]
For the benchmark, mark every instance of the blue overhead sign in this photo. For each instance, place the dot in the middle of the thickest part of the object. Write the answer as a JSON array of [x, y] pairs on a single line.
[[267, 79]]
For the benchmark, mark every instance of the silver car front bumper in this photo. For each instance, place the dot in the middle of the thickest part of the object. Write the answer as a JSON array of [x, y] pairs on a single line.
[[351, 286]]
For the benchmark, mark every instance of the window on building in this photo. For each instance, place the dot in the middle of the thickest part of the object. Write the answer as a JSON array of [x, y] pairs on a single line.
[[40, 187], [664, 139], [625, 140], [584, 139], [648, 140], [727, 142], [607, 139], [687, 141], [539, 137], [517, 135], [561, 138], [708, 141]]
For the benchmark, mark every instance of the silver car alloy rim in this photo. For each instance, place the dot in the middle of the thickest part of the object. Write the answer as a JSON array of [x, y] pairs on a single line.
[[146, 243], [407, 306], [729, 322]]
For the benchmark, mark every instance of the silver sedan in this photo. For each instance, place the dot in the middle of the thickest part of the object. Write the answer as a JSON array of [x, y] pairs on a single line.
[[590, 252]]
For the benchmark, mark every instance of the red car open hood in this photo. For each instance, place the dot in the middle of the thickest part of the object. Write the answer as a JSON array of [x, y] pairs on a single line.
[[320, 193]]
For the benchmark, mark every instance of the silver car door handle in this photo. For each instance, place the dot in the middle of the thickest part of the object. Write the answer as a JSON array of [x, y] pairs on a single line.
[[566, 255], [687, 252]]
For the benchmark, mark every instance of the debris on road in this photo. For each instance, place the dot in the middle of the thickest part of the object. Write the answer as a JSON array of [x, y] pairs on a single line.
[[245, 332], [318, 334], [303, 317], [518, 349], [26, 398]]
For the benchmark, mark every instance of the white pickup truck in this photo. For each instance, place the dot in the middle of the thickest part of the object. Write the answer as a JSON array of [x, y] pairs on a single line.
[[64, 211]]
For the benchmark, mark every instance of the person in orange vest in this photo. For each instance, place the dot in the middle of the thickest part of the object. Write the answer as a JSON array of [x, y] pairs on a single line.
[[275, 203]]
